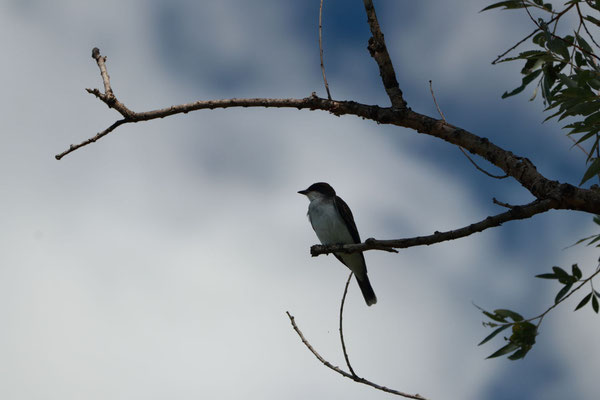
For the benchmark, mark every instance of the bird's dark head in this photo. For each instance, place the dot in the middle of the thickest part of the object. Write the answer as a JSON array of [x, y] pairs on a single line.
[[320, 189]]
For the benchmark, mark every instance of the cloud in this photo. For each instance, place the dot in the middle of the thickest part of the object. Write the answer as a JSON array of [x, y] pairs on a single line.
[[160, 260]]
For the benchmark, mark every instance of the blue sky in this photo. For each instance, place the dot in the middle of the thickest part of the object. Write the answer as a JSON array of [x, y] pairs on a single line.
[[159, 262]]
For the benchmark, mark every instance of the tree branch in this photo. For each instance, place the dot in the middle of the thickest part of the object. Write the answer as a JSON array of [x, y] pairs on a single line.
[[566, 195], [517, 212], [344, 373], [378, 51]]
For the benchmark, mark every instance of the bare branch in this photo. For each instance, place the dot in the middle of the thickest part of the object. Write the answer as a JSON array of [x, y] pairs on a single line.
[[344, 373], [321, 49], [521, 212], [567, 196], [341, 326], [378, 51], [500, 203], [101, 60], [99, 135]]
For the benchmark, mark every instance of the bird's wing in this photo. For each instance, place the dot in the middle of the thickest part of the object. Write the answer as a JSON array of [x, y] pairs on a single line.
[[348, 218]]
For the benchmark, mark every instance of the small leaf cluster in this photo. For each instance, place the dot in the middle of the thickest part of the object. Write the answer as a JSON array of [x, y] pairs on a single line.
[[568, 280], [563, 277], [567, 71], [520, 341]]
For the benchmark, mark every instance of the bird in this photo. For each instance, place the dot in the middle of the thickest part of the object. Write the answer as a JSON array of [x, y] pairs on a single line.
[[333, 222]]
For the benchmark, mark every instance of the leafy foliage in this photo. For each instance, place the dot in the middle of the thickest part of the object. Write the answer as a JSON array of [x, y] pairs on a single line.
[[523, 333], [524, 330], [566, 69]]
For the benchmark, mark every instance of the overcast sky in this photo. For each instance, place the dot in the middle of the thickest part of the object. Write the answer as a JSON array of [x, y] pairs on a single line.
[[158, 263]]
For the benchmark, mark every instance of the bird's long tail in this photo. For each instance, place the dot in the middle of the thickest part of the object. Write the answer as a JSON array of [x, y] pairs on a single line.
[[367, 290]]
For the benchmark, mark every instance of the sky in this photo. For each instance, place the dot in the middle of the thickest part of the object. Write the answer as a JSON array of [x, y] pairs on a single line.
[[159, 262]]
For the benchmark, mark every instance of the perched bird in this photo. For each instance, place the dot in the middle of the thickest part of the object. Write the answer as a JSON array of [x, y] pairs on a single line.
[[333, 223]]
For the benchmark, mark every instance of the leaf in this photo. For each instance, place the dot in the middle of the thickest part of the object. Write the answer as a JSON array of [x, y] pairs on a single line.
[[493, 334], [592, 171], [506, 4], [592, 20], [547, 276], [509, 314], [583, 302], [595, 304], [504, 350], [562, 292], [584, 45], [576, 271], [526, 81], [519, 353], [494, 316], [567, 81], [558, 46], [561, 273]]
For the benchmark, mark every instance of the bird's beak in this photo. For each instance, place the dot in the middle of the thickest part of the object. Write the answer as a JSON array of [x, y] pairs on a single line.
[[304, 192]]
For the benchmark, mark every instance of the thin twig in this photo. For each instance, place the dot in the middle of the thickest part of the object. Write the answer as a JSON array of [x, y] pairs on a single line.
[[344, 373], [531, 34], [94, 138], [500, 203], [435, 101], [341, 326], [481, 169], [101, 61], [321, 49], [553, 34], [581, 18], [461, 149]]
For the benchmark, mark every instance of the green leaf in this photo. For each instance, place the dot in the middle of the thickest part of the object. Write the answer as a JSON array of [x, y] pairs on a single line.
[[558, 46], [567, 81], [506, 4], [561, 273], [576, 271], [509, 314], [493, 334], [526, 81], [583, 302], [562, 292], [595, 304], [504, 350], [494, 316], [593, 170], [584, 45], [592, 20], [547, 276], [517, 355]]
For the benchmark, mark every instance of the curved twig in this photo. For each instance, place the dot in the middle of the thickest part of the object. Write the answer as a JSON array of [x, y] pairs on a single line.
[[344, 373], [460, 148], [341, 326]]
